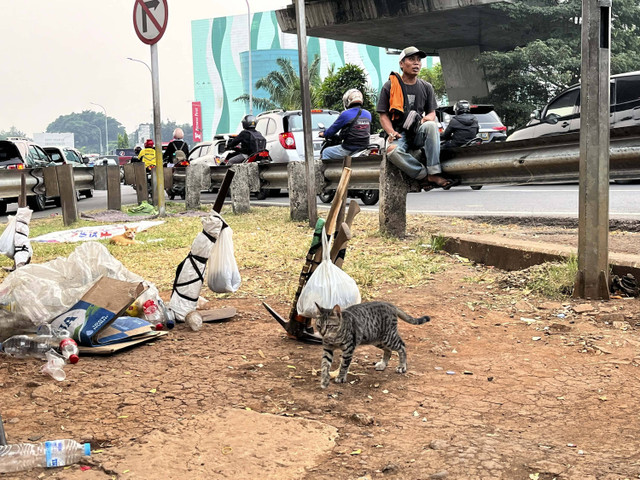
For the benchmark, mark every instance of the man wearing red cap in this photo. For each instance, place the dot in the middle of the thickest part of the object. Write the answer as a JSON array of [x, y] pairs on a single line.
[[407, 107]]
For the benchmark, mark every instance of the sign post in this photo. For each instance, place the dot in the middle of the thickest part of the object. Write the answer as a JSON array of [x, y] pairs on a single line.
[[150, 22]]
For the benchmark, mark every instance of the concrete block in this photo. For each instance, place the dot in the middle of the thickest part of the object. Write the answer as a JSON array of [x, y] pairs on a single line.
[[394, 187], [193, 185], [240, 193]]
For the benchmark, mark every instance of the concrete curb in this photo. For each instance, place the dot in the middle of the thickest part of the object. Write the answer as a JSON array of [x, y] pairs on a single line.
[[509, 254]]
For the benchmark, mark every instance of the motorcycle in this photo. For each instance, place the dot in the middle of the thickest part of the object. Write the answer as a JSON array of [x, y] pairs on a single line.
[[367, 196], [261, 156], [180, 166]]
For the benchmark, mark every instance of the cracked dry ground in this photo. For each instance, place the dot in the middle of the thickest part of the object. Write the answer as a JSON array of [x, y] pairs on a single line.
[[540, 390]]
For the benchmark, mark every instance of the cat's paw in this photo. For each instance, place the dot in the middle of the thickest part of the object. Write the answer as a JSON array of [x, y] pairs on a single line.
[[381, 366], [341, 379], [401, 369], [324, 384]]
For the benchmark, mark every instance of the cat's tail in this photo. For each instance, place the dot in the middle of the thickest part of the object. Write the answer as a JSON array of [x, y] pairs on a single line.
[[414, 321]]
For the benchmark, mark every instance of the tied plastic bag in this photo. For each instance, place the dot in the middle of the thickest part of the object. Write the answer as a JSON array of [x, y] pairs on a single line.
[[223, 276], [328, 286], [7, 246]]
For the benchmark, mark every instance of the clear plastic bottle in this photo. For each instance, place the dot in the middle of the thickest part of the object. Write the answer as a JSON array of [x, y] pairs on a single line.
[[193, 320], [57, 453], [169, 318], [152, 314], [23, 346], [69, 350], [54, 366]]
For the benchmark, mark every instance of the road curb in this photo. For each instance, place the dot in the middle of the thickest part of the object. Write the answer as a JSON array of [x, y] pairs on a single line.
[[509, 254]]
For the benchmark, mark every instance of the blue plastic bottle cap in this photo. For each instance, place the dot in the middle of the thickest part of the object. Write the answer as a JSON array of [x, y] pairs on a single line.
[[87, 449]]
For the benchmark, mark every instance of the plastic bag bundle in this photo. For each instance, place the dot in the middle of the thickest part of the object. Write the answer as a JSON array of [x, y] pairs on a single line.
[[328, 286], [223, 276], [23, 250], [7, 246], [190, 272]]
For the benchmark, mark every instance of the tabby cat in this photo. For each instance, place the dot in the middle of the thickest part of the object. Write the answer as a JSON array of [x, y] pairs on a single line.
[[369, 323], [126, 238]]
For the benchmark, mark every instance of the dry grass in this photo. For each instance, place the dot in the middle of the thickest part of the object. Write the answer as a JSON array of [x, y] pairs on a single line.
[[270, 251]]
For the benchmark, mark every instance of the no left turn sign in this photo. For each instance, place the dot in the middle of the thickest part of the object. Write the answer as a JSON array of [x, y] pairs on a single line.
[[150, 19]]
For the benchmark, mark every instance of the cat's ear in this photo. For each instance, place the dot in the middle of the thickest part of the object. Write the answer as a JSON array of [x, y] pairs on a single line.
[[337, 310], [318, 307]]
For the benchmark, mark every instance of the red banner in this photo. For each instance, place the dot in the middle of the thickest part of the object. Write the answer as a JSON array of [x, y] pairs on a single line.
[[196, 114]]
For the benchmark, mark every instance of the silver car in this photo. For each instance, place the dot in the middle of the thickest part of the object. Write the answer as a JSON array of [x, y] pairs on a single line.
[[284, 134]]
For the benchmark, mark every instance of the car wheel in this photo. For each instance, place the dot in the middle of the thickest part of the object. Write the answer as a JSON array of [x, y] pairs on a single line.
[[88, 193], [78, 195], [37, 203], [57, 201], [327, 197], [274, 192], [370, 197], [263, 194], [3, 207], [476, 187]]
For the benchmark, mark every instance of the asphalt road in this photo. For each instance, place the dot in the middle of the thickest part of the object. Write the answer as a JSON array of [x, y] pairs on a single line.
[[519, 201]]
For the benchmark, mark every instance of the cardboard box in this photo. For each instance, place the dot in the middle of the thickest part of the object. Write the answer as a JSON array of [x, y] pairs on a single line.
[[105, 301]]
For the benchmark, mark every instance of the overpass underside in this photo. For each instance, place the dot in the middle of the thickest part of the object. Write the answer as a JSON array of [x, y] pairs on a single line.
[[455, 30]]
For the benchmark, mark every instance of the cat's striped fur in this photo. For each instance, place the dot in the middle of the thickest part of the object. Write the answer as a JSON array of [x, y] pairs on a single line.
[[369, 323]]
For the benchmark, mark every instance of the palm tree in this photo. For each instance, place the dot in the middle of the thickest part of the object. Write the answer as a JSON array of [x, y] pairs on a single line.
[[284, 89]]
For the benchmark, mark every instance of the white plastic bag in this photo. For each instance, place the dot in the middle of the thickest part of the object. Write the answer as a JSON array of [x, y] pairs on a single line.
[[7, 246], [328, 286], [223, 276]]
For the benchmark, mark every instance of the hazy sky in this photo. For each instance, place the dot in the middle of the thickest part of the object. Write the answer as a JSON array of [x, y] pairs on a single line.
[[57, 56]]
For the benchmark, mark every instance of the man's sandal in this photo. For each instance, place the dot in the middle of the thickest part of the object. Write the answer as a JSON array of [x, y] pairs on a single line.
[[451, 182]]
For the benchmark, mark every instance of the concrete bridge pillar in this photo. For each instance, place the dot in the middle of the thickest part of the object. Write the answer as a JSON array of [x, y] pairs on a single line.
[[462, 77]]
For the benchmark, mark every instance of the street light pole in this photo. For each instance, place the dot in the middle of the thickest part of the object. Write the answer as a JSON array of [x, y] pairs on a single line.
[[99, 134], [250, 72], [140, 61], [106, 128]]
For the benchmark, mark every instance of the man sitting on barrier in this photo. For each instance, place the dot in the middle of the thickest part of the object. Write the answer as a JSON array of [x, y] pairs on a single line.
[[407, 107], [351, 130]]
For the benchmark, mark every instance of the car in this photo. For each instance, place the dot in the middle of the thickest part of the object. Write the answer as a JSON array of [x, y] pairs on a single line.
[[562, 114], [112, 160], [20, 153], [209, 152], [491, 127], [284, 134], [69, 156]]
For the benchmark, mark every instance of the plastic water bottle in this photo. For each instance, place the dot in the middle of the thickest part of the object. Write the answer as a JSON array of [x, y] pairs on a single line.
[[69, 350], [169, 317], [25, 456], [152, 314], [23, 346]]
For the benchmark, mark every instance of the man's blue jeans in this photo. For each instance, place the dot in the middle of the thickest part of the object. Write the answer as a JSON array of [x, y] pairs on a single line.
[[336, 152], [428, 138]]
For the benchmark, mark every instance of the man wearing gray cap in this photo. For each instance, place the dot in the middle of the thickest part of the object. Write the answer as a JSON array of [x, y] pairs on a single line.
[[407, 107]]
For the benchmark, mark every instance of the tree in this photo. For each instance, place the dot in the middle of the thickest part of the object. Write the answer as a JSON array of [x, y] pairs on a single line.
[[283, 87], [12, 132], [169, 126], [527, 77], [123, 140], [88, 128], [435, 77], [337, 83]]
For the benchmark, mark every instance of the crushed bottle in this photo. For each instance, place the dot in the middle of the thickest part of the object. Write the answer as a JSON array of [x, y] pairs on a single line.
[[25, 456]]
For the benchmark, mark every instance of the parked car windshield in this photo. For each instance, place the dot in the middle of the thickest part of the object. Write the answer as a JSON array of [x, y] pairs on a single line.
[[326, 118]]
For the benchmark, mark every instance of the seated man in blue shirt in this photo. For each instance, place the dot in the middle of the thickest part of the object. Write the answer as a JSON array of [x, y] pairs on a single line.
[[353, 128]]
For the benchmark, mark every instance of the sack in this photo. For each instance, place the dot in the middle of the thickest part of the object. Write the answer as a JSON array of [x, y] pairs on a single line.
[[223, 276], [328, 286], [7, 245]]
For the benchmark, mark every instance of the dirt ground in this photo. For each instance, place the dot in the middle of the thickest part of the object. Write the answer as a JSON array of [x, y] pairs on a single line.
[[501, 385]]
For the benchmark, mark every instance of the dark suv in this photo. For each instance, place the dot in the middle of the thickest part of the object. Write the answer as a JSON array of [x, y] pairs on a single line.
[[17, 154], [562, 114]]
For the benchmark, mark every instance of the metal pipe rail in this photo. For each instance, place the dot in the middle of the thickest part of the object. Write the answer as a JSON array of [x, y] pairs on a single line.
[[10, 181]]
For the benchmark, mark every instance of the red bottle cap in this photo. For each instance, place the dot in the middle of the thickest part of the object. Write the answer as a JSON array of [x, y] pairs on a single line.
[[73, 359], [159, 326]]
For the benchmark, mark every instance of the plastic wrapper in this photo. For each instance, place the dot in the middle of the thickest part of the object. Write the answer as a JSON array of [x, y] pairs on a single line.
[[6, 239], [43, 291], [328, 286], [22, 244], [223, 276]]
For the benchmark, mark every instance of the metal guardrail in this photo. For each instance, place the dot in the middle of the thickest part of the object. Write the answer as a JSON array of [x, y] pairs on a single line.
[[545, 160]]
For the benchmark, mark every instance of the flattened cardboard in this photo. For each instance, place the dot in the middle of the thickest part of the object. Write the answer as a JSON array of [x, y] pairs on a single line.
[[116, 347], [106, 300], [123, 329], [217, 314]]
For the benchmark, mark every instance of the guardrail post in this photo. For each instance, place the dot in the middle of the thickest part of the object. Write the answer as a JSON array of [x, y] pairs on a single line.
[[298, 197], [140, 181], [240, 192], [67, 189], [193, 185], [394, 188], [114, 197]]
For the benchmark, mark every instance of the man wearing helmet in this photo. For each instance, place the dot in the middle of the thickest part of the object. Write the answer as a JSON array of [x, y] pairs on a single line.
[[247, 142], [174, 146], [352, 127], [462, 128], [407, 107], [148, 154]]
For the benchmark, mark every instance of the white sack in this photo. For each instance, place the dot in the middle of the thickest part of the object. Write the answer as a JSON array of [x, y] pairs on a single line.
[[224, 276]]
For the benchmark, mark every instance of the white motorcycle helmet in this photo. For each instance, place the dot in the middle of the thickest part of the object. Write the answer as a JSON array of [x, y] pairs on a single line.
[[352, 96]]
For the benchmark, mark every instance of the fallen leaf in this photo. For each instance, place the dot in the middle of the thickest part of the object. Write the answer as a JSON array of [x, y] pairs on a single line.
[[261, 354], [153, 390], [291, 366], [123, 416], [356, 452]]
